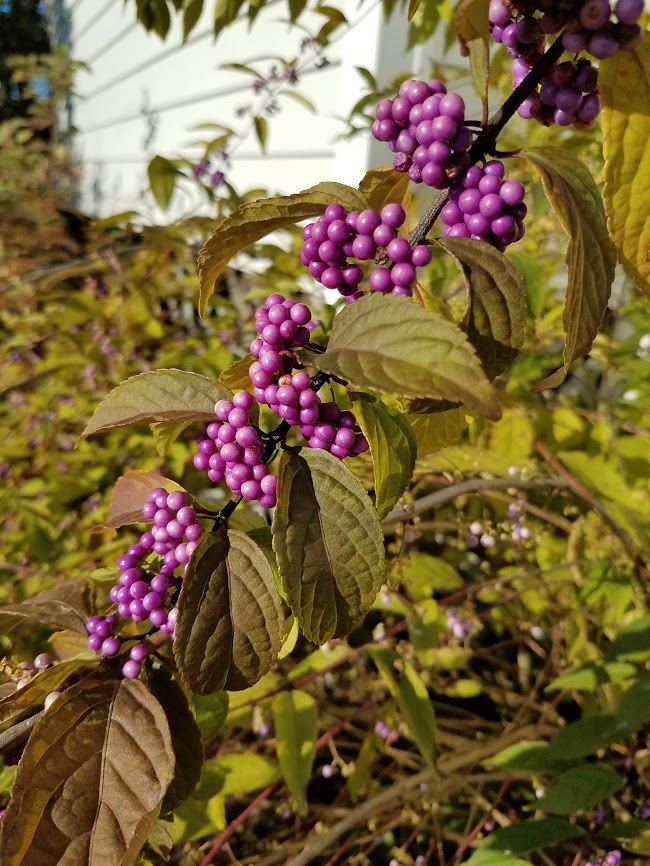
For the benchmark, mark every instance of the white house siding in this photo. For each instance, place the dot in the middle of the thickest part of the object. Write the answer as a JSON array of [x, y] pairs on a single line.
[[141, 96]]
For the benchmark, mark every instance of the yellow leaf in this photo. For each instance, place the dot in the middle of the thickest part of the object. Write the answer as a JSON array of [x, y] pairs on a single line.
[[625, 92]]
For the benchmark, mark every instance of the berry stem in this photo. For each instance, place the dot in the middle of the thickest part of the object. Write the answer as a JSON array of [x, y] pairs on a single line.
[[486, 140]]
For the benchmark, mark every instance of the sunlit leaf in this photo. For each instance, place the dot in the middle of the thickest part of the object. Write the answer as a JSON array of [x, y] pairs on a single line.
[[295, 721], [162, 395], [383, 186], [580, 788], [328, 543], [437, 430], [261, 131], [230, 616], [253, 220], [162, 180], [590, 256], [393, 346], [624, 85], [496, 314], [101, 751], [392, 445], [411, 694]]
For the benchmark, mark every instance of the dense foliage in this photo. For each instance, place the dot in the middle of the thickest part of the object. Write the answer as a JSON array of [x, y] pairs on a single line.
[[359, 580]]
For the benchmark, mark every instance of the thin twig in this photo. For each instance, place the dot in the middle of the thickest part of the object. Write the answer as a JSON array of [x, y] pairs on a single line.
[[471, 485], [221, 840]]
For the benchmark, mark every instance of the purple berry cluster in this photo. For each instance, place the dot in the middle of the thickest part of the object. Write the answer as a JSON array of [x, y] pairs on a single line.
[[569, 94], [595, 29], [337, 236], [334, 430], [289, 394], [457, 624], [611, 859], [232, 450], [139, 594], [485, 207], [519, 531], [425, 127]]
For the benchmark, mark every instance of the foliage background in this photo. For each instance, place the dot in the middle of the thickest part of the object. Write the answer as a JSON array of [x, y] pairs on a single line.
[[538, 714]]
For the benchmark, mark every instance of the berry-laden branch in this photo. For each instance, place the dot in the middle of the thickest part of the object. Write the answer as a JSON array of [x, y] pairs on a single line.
[[485, 142]]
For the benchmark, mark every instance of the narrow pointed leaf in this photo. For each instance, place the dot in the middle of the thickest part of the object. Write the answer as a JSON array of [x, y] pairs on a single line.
[[254, 220], [328, 543], [295, 721], [185, 737], [393, 447], [230, 619], [162, 395], [394, 346], [162, 180], [191, 13], [262, 132], [496, 315], [91, 781], [590, 255], [624, 84], [411, 694]]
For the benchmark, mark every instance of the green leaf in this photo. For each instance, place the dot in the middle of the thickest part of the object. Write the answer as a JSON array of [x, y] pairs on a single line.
[[530, 755], [101, 750], [295, 721], [230, 617], [496, 314], [185, 736], [245, 772], [423, 574], [165, 433], [590, 256], [473, 32], [624, 85], [162, 180], [253, 220], [590, 676], [383, 186], [624, 829], [528, 835], [162, 395], [235, 377], [392, 445], [632, 642], [412, 8], [300, 99], [483, 857], [210, 712], [437, 430], [328, 542], [634, 706], [261, 131], [580, 788], [162, 18], [394, 346], [586, 736], [130, 493], [191, 13], [411, 694]]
